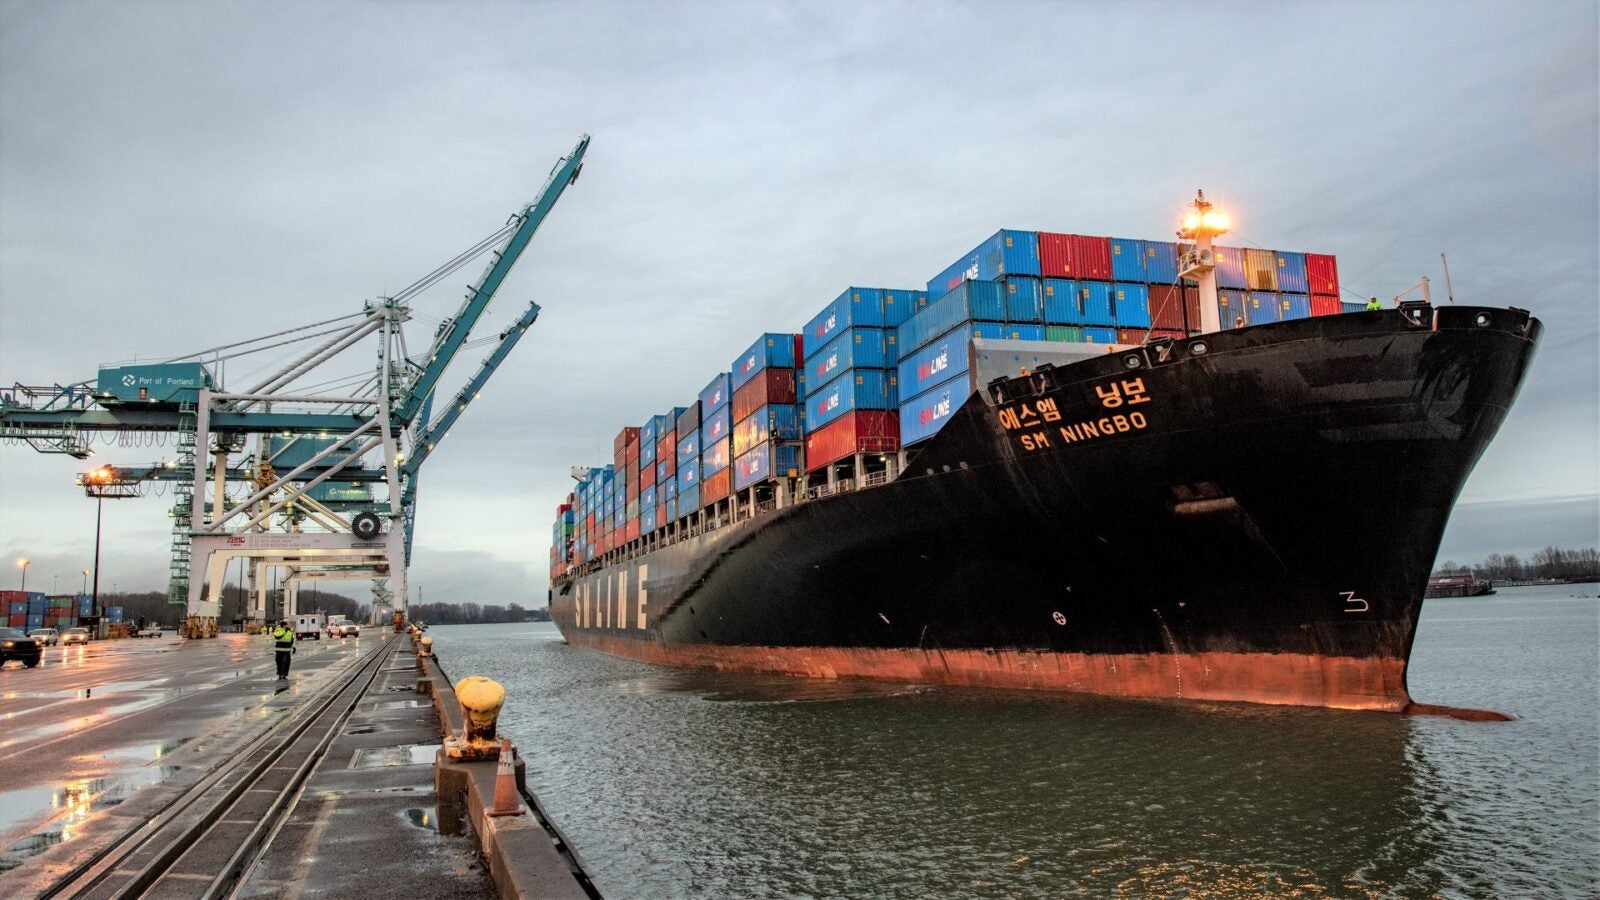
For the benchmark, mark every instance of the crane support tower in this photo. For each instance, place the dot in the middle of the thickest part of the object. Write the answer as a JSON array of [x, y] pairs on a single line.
[[298, 472]]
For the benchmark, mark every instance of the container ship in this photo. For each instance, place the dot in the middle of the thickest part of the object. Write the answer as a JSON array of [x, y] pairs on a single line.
[[1071, 463]]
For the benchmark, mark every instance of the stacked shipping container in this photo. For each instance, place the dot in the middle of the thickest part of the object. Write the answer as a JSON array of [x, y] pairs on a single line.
[[881, 368]]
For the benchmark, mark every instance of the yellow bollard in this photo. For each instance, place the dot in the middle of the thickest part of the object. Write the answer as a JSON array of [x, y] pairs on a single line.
[[481, 699]]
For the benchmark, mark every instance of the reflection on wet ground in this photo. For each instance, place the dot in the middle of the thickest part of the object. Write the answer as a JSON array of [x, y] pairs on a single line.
[[72, 805]]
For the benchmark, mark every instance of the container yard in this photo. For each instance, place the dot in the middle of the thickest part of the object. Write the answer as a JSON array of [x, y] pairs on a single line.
[[878, 370]]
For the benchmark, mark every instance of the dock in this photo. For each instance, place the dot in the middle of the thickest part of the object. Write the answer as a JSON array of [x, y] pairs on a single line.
[[184, 768]]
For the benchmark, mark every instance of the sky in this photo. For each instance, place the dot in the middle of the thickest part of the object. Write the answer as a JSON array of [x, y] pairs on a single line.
[[179, 175]]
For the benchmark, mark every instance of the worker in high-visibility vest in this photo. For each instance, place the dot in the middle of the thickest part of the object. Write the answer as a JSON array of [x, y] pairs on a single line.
[[1374, 304], [283, 644]]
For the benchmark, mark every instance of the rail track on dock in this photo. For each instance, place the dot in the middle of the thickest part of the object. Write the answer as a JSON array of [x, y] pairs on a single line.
[[205, 840]]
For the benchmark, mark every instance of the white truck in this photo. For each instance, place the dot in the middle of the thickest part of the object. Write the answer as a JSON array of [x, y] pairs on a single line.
[[342, 627], [308, 626]]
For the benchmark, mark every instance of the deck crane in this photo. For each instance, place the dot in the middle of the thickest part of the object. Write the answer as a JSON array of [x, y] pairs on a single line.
[[318, 450]]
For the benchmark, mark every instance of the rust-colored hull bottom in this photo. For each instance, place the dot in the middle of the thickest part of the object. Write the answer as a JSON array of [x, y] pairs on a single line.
[[1280, 678]]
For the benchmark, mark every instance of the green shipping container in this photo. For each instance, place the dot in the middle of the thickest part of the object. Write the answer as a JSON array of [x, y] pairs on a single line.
[[1068, 333]]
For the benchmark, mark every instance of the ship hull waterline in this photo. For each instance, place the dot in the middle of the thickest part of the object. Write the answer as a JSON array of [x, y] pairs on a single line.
[[1255, 522]]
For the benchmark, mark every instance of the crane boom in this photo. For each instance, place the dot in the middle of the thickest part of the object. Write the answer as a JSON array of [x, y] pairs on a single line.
[[454, 331]]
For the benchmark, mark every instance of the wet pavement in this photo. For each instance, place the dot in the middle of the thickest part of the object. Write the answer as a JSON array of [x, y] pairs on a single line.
[[97, 736]]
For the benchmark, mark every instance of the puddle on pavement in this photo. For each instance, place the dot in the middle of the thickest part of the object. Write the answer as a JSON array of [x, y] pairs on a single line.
[[71, 805], [423, 818], [142, 752], [408, 755], [398, 704]]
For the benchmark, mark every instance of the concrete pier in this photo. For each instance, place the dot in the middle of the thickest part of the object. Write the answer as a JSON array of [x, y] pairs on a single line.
[[171, 768]]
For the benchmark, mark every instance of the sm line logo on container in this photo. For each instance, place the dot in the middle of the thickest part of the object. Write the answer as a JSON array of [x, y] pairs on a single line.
[[828, 365], [936, 365], [748, 365], [827, 325], [831, 403], [935, 412]]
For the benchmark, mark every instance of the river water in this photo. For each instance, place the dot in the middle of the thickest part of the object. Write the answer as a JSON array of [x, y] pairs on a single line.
[[676, 783]]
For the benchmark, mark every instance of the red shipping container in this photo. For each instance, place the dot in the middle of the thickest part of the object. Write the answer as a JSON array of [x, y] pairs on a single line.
[[620, 445], [1174, 333], [647, 476], [1326, 306], [1166, 307], [715, 487], [770, 386], [864, 430], [631, 533], [1191, 303], [1074, 256], [799, 351], [633, 490], [1322, 273], [632, 454], [1131, 335]]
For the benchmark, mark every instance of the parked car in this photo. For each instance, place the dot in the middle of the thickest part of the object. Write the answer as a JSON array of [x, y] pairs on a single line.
[[45, 637], [149, 631], [15, 644], [75, 636]]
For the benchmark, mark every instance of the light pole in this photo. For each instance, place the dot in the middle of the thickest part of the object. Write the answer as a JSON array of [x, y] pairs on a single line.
[[23, 564], [101, 483]]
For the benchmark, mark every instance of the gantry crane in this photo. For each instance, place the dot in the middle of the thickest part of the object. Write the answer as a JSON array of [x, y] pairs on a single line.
[[328, 470]]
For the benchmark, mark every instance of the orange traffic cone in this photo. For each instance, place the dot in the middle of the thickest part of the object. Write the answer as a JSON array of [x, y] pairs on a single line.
[[505, 783]]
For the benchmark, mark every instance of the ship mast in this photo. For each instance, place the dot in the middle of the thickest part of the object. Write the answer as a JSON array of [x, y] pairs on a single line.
[[1202, 223]]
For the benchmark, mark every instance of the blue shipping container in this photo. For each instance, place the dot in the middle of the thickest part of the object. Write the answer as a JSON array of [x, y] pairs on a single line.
[[716, 456], [1131, 305], [647, 521], [1160, 262], [647, 454], [1024, 332], [1024, 301], [671, 489], [1292, 274], [1127, 259], [944, 357], [672, 509], [770, 351], [688, 475], [1230, 308], [647, 433], [991, 331], [770, 460], [856, 306], [647, 497], [35, 621], [1006, 253], [688, 448], [1261, 307], [1061, 306], [853, 389], [924, 416], [688, 500], [1099, 335], [18, 608], [1294, 306], [972, 301], [717, 425], [899, 305], [715, 395], [1094, 297], [777, 421], [863, 348], [1230, 268]]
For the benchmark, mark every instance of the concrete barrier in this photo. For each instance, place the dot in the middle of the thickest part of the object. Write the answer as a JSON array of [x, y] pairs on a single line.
[[527, 855]]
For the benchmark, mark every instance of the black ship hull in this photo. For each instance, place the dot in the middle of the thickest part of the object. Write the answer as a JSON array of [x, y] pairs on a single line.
[[1250, 515]]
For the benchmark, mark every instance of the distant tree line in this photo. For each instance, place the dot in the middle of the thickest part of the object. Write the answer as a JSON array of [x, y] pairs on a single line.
[[475, 613], [1552, 562], [152, 606]]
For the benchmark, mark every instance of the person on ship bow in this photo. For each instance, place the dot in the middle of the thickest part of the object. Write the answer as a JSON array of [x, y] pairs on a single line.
[[283, 645], [1374, 304]]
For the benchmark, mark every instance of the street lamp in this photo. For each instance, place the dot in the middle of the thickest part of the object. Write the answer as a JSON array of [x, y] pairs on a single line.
[[23, 563], [101, 483]]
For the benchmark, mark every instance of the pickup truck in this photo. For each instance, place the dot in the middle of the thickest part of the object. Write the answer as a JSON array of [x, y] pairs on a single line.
[[151, 631]]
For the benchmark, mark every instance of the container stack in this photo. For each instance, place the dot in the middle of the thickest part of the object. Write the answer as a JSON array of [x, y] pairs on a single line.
[[768, 420], [563, 535], [851, 353], [879, 369]]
